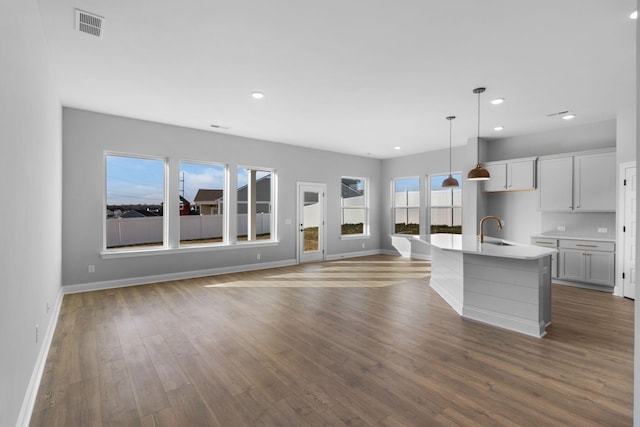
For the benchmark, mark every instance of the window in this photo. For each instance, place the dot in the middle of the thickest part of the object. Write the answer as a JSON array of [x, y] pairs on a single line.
[[445, 206], [255, 204], [406, 206], [353, 206], [202, 203], [135, 193]]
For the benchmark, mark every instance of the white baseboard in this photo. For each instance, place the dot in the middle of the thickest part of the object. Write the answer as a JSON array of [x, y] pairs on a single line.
[[134, 281], [29, 402]]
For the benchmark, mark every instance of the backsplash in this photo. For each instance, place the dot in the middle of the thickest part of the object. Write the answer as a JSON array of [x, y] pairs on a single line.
[[576, 223]]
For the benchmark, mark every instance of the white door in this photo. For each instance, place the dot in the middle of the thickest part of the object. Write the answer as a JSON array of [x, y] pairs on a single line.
[[629, 260], [311, 211]]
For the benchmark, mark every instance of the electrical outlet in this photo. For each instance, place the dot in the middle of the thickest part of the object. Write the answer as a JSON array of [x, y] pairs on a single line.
[[602, 230], [363, 246], [91, 268], [37, 327], [562, 228], [258, 256]]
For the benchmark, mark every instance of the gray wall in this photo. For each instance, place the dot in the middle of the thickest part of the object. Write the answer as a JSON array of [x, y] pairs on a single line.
[[519, 210], [87, 135], [573, 137], [30, 170]]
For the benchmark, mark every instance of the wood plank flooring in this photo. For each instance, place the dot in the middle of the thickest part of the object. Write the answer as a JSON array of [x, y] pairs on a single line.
[[357, 342]]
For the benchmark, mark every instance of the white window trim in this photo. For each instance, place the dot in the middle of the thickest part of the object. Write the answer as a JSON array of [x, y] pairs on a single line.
[[225, 211], [429, 205], [133, 253], [274, 196], [165, 214], [365, 227], [394, 207]]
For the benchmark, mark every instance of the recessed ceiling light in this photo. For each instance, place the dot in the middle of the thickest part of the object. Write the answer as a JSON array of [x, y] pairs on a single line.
[[396, 148], [257, 95], [498, 128], [568, 116], [497, 101], [634, 15]]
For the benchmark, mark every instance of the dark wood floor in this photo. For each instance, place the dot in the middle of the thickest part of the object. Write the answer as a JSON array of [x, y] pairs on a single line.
[[356, 342]]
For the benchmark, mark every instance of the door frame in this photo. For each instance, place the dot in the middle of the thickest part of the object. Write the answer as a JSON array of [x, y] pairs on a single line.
[[618, 290], [299, 214]]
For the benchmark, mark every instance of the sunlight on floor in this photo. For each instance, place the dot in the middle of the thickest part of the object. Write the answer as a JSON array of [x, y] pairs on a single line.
[[336, 274]]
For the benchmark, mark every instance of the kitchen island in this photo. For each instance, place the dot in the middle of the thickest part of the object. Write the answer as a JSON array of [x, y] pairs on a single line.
[[496, 282]]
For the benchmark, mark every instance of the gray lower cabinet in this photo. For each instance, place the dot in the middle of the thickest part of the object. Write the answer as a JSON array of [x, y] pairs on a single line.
[[587, 261]]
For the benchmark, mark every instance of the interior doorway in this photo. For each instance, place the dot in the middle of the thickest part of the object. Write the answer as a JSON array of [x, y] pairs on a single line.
[[628, 255], [311, 222]]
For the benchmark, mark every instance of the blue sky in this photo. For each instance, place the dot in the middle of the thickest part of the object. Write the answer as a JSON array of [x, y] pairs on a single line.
[[133, 180]]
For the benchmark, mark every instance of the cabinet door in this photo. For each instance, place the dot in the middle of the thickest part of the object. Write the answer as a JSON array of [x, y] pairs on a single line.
[[599, 268], [521, 175], [498, 181], [595, 182], [555, 184], [571, 264]]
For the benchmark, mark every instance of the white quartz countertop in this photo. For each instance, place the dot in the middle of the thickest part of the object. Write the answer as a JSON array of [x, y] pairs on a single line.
[[469, 244], [596, 237]]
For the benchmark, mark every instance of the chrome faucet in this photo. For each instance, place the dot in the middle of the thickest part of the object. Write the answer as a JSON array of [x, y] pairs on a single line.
[[481, 235]]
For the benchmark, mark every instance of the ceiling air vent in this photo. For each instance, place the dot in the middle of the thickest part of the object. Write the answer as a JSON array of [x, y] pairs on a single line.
[[89, 23]]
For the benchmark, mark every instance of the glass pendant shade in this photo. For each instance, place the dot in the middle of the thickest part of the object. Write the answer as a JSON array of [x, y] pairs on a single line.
[[450, 181], [478, 173]]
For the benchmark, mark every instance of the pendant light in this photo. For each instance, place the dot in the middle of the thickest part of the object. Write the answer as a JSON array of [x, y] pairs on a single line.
[[478, 173], [451, 181]]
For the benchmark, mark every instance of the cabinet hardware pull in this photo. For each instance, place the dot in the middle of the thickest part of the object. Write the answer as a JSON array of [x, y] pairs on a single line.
[[543, 243], [586, 246]]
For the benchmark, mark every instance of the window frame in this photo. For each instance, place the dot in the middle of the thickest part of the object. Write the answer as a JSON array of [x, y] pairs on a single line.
[[225, 210], [394, 206], [365, 206], [452, 206], [272, 203], [165, 214]]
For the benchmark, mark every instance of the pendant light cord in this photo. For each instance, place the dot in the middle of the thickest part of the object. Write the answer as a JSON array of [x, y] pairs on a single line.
[[450, 127], [478, 139]]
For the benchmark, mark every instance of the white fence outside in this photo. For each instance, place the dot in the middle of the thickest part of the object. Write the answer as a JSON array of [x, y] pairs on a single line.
[[353, 210], [139, 231], [312, 215]]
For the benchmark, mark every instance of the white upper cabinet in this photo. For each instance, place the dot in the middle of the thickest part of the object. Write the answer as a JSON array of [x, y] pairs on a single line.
[[595, 182], [580, 183], [498, 173], [555, 184], [511, 175]]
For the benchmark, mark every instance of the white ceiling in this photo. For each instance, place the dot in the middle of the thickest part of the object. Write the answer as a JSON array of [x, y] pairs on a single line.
[[352, 76]]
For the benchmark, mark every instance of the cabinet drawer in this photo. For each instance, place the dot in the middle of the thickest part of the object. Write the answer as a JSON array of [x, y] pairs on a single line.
[[588, 245], [541, 241]]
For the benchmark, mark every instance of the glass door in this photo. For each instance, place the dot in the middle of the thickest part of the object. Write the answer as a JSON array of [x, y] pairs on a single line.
[[311, 211]]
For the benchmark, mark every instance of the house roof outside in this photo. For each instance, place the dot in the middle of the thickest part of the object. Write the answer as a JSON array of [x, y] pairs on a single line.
[[205, 195], [348, 189]]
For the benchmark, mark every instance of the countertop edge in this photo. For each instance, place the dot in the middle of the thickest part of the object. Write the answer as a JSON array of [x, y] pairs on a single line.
[[576, 237]]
